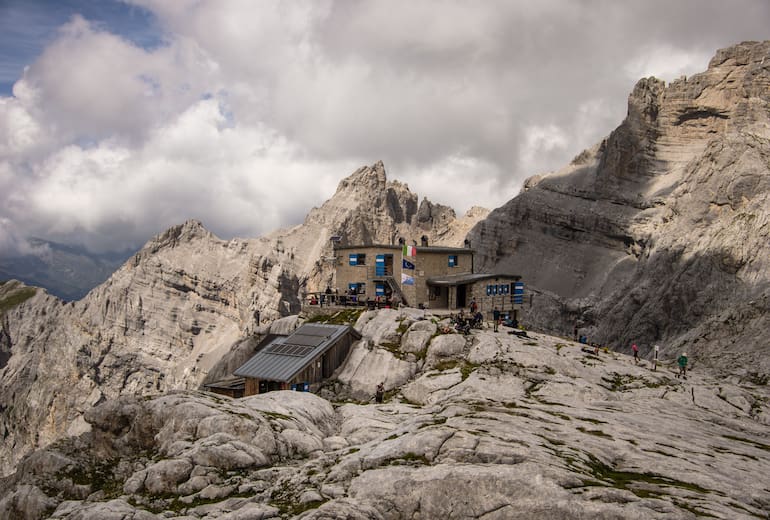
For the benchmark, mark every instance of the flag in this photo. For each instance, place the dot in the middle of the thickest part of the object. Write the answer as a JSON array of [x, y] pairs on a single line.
[[409, 251], [406, 279], [406, 264]]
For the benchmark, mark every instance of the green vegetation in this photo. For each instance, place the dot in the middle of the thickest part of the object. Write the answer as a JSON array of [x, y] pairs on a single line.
[[343, 317], [465, 367], [276, 415], [393, 348], [624, 382], [597, 433], [99, 475], [630, 480], [16, 297], [402, 327], [409, 458]]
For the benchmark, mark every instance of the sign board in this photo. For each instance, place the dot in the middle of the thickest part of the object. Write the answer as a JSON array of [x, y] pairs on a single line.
[[518, 293]]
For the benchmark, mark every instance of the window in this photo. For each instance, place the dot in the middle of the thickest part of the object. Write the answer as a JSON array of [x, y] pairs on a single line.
[[357, 288], [357, 259], [453, 261]]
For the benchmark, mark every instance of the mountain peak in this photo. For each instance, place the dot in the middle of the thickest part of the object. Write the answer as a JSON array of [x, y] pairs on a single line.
[[370, 178], [191, 229]]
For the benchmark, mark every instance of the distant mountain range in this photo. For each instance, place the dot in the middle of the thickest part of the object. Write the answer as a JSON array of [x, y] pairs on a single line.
[[68, 272]]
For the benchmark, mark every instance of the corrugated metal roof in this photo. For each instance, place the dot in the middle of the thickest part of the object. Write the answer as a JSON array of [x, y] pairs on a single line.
[[285, 357], [465, 278]]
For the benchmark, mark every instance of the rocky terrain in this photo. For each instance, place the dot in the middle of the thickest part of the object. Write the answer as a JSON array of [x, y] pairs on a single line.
[[660, 233], [656, 235], [180, 304], [490, 425]]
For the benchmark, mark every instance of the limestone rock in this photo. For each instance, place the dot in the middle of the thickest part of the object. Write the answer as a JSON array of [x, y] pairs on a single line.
[[187, 309], [658, 234], [505, 426]]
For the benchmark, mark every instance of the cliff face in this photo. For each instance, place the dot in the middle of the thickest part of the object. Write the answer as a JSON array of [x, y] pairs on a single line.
[[658, 234], [174, 309]]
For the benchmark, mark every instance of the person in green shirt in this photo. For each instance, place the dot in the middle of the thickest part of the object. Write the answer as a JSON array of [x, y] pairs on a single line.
[[682, 361]]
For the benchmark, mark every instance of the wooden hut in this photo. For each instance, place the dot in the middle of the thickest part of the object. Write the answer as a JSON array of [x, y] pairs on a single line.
[[298, 361]]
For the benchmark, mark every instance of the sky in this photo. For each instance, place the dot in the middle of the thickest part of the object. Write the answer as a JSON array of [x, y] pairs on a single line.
[[119, 119]]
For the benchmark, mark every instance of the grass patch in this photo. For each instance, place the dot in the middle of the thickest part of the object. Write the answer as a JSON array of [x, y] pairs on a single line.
[[592, 421], [99, 476], [402, 327], [624, 382], [15, 298], [344, 317], [630, 480], [393, 348], [597, 433], [465, 367], [276, 415]]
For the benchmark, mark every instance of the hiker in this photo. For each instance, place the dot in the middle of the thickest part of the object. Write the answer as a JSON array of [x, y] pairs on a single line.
[[655, 358], [636, 353], [496, 317], [379, 393], [682, 361]]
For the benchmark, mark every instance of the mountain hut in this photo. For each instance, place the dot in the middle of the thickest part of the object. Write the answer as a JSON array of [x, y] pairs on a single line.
[[298, 361]]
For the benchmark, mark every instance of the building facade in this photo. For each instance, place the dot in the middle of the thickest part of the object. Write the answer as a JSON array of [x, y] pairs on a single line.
[[389, 271], [489, 291]]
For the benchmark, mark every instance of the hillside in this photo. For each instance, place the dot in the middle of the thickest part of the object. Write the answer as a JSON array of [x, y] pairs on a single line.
[[490, 426], [659, 233], [181, 303]]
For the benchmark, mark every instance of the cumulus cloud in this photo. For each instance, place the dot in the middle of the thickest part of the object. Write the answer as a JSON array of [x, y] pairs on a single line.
[[248, 114]]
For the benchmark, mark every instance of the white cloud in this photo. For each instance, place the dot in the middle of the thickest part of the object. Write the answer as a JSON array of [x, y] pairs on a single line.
[[251, 112], [12, 243], [666, 62]]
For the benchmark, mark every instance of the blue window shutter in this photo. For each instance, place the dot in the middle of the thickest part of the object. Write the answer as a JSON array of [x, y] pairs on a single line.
[[353, 259]]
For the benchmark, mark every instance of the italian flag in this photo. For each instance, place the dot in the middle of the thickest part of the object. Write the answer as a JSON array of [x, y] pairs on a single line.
[[410, 251]]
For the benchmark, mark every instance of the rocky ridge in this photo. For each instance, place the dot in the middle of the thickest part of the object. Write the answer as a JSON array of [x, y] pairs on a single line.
[[172, 311], [659, 233], [489, 425]]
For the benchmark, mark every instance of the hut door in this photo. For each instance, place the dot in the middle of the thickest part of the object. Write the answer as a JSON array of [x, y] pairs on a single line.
[[461, 295]]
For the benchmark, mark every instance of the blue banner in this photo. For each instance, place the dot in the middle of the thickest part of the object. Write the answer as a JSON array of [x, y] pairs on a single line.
[[518, 293], [406, 264]]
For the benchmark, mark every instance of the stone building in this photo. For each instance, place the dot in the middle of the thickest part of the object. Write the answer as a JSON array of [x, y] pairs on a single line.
[[384, 271], [504, 291], [432, 277]]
